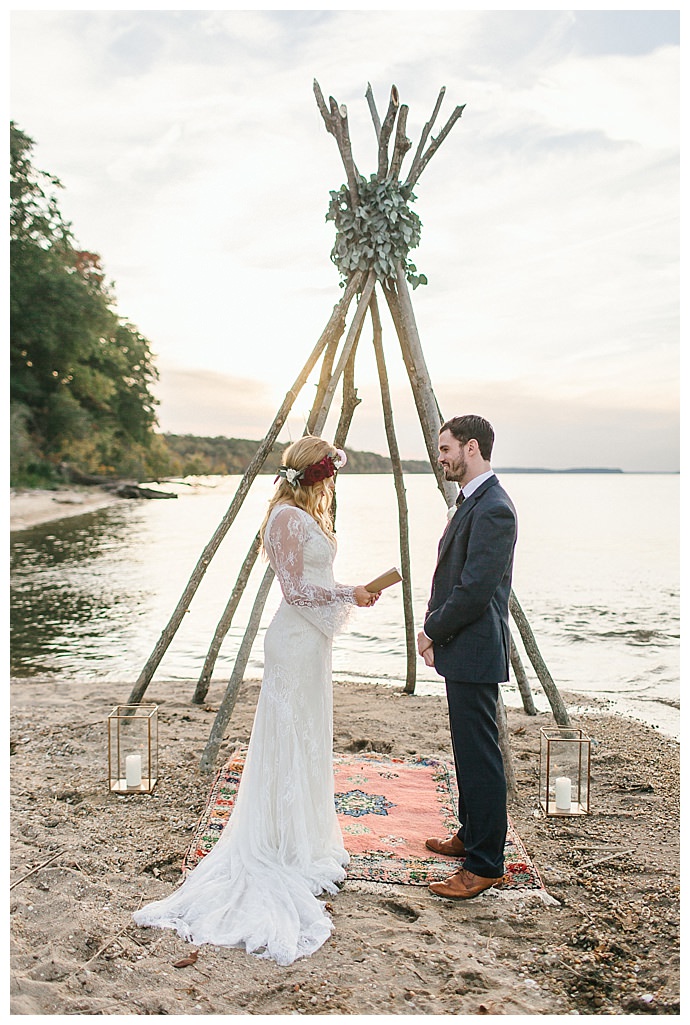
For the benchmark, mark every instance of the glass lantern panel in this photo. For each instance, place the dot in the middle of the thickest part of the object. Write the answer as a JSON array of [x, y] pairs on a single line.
[[133, 748], [564, 782]]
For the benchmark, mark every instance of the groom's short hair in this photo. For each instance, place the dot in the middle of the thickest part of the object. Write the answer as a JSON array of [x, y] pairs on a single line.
[[470, 426]]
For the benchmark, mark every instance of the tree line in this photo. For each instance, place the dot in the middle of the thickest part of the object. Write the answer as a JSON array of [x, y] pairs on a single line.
[[189, 454], [80, 374]]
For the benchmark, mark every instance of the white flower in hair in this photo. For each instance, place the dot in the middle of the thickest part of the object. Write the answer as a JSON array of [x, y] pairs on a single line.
[[339, 459], [292, 475]]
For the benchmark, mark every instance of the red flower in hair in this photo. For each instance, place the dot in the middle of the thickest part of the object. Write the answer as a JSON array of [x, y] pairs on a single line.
[[318, 471]]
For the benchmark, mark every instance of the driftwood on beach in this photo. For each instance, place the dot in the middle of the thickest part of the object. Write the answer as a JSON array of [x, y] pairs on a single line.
[[137, 491], [121, 488]]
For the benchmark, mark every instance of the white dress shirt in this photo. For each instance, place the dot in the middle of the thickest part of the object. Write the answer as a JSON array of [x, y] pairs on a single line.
[[470, 488]]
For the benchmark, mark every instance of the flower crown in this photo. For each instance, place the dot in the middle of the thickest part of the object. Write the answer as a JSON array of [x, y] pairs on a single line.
[[326, 467]]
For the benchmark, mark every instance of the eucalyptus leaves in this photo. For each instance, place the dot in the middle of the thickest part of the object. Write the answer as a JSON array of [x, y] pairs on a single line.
[[379, 233]]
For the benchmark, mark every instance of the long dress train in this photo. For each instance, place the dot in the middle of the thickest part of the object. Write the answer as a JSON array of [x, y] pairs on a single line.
[[257, 888]]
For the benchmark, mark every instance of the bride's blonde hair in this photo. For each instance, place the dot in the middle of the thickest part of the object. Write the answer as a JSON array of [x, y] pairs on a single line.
[[317, 498]]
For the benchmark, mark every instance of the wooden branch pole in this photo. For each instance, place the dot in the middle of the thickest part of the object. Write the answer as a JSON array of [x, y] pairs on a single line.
[[424, 136], [400, 305], [335, 119], [506, 750], [403, 520], [215, 739], [385, 133], [402, 143], [349, 404], [350, 399], [336, 324], [521, 679], [326, 371], [227, 705], [374, 112], [225, 623], [413, 176], [560, 712], [355, 328], [343, 137]]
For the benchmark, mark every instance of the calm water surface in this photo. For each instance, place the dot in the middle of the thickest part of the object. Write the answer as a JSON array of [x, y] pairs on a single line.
[[597, 572]]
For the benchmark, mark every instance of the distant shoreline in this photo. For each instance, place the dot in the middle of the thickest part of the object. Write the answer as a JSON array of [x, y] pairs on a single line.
[[541, 469], [201, 456], [585, 469]]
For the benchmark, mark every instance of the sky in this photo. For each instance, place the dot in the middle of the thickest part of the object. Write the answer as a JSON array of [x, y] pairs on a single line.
[[195, 161]]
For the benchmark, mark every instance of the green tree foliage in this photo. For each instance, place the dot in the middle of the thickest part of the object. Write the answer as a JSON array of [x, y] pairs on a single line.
[[80, 375]]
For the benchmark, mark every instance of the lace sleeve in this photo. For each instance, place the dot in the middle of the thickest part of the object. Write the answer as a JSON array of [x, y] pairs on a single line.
[[326, 604]]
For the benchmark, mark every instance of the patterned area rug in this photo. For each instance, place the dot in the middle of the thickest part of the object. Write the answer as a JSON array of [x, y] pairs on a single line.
[[386, 808]]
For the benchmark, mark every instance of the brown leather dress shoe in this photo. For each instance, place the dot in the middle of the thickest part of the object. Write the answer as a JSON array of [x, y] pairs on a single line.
[[451, 846], [463, 885]]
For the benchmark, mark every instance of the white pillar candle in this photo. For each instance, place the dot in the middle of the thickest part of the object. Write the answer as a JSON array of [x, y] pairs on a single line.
[[133, 770], [563, 793]]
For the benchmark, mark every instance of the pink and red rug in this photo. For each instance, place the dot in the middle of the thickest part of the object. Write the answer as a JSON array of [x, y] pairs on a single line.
[[387, 807]]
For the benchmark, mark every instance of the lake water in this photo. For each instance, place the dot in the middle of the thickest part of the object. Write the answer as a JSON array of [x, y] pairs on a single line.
[[596, 571]]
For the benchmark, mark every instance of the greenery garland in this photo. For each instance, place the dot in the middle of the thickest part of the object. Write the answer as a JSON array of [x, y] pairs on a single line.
[[379, 233]]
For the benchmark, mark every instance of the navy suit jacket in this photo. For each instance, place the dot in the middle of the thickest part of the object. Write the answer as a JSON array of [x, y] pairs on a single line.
[[467, 615]]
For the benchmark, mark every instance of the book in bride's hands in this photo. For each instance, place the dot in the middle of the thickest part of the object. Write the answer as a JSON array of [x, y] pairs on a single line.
[[387, 579]]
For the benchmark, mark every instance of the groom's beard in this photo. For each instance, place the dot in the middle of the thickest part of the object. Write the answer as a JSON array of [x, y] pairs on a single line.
[[455, 471]]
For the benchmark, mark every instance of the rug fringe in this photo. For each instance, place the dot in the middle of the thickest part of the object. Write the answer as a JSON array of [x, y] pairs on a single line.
[[393, 889], [365, 886]]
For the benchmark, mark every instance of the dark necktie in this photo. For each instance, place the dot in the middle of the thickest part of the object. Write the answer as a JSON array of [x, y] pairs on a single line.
[[460, 499]]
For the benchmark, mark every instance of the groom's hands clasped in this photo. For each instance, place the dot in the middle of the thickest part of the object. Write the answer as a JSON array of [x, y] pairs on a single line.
[[425, 647]]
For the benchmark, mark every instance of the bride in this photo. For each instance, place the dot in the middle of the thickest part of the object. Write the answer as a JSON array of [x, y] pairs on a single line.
[[257, 888]]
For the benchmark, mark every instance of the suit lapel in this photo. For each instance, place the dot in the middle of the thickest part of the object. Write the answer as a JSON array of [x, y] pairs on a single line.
[[453, 525], [460, 515]]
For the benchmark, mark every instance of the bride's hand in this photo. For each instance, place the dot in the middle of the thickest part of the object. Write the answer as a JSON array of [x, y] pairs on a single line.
[[365, 598]]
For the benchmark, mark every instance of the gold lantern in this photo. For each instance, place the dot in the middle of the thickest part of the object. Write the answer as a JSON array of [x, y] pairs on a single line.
[[133, 749], [564, 771]]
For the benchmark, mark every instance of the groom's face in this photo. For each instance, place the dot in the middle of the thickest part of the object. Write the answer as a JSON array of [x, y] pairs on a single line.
[[451, 457]]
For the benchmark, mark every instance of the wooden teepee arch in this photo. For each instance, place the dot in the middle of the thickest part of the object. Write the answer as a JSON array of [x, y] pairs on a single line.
[[375, 229]]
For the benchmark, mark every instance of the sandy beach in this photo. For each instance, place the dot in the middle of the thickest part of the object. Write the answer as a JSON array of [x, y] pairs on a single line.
[[31, 507], [83, 859]]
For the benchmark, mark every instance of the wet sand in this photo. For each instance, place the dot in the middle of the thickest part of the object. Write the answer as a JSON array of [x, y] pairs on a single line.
[[31, 507]]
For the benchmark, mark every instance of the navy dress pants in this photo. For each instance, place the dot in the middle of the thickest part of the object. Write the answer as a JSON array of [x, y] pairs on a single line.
[[481, 777]]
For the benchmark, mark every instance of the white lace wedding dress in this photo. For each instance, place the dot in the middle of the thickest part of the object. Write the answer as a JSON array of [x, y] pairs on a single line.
[[257, 888]]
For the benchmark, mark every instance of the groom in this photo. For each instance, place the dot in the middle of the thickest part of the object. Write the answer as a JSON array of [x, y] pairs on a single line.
[[466, 637]]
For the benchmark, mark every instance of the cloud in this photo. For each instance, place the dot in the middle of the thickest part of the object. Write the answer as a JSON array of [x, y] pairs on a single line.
[[212, 404], [629, 99]]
